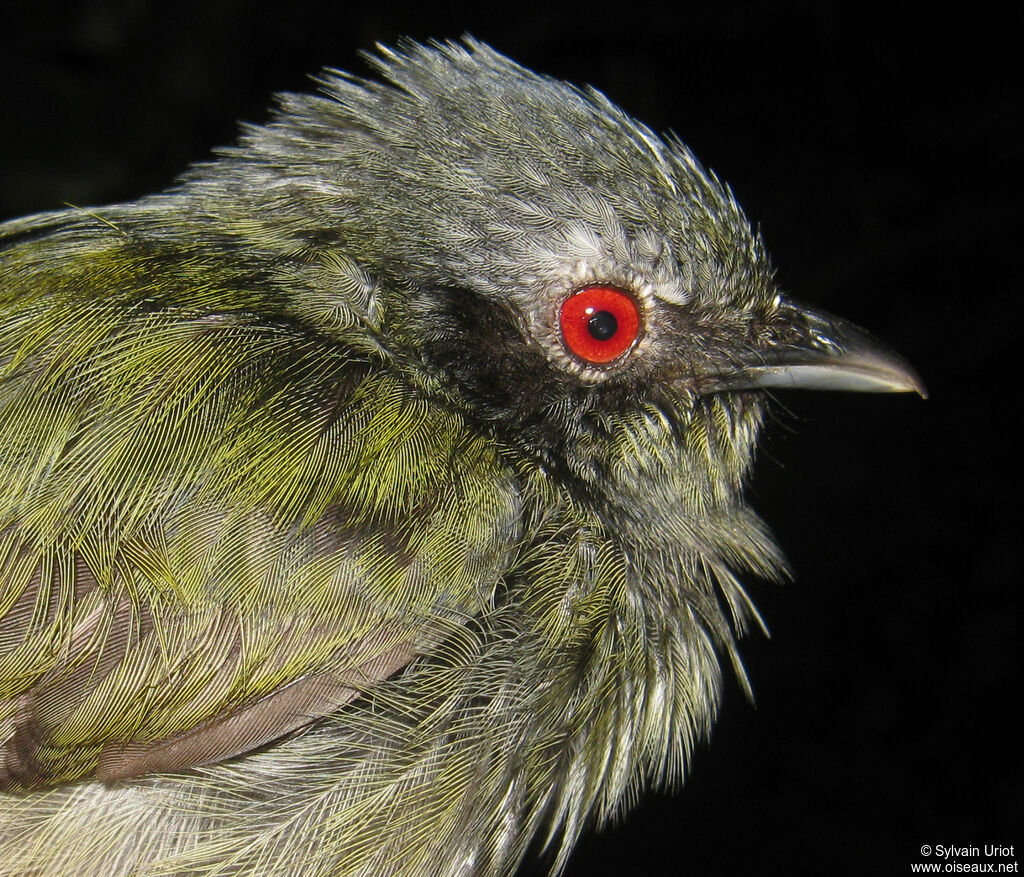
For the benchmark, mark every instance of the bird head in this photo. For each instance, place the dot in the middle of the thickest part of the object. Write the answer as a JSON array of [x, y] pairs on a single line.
[[529, 253]]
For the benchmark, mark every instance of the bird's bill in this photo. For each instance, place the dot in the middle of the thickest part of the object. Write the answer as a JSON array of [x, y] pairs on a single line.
[[822, 352]]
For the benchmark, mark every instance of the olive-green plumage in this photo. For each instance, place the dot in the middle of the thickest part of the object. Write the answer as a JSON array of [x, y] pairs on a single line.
[[322, 550]]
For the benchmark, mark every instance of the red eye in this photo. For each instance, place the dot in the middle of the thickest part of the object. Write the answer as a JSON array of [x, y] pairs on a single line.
[[599, 323]]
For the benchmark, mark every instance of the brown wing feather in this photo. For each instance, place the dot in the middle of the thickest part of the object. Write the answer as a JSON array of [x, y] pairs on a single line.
[[250, 726]]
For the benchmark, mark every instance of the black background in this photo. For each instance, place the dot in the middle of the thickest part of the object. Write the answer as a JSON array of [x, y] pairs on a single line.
[[879, 151]]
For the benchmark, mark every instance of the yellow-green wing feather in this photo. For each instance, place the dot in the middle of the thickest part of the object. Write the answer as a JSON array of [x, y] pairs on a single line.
[[215, 526]]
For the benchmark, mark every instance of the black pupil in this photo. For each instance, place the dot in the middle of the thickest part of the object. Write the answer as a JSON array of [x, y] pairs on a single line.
[[602, 325]]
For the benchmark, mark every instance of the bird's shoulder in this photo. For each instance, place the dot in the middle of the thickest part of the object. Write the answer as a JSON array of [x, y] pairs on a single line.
[[216, 523]]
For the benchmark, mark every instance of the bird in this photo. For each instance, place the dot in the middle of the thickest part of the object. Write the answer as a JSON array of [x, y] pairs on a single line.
[[372, 500]]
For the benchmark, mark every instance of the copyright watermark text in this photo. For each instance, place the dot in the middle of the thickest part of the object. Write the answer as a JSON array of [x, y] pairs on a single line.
[[966, 859]]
